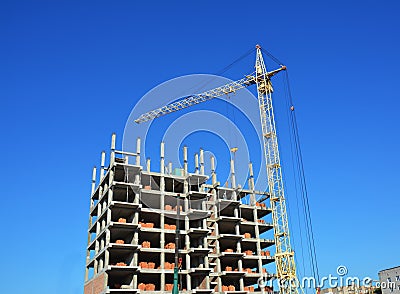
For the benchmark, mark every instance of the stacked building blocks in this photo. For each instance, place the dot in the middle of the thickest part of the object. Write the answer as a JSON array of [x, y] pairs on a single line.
[[168, 265], [170, 246], [169, 227], [121, 264], [146, 225], [146, 244]]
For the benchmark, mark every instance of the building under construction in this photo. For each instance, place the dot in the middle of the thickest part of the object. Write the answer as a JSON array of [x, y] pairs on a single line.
[[134, 213]]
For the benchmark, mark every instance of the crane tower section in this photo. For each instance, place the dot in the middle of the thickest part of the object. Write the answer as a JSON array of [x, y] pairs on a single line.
[[284, 256]]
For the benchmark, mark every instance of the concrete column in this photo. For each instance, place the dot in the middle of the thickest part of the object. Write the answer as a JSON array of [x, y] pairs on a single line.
[[162, 160], [170, 167], [162, 216], [201, 162], [99, 211], [233, 177], [137, 151], [106, 258], [137, 162], [187, 245], [196, 163], [86, 274], [162, 241], [258, 244], [185, 161], [206, 265], [113, 141], [93, 187], [110, 196], [135, 241], [251, 176], [251, 185], [213, 174], [108, 237], [110, 184], [240, 262], [95, 267], [101, 264], [103, 161], [103, 224], [112, 155], [108, 216], [241, 283], [93, 183], [148, 164]]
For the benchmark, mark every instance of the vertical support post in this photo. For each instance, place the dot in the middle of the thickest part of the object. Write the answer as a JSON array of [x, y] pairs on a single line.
[[170, 167], [201, 161], [103, 162], [196, 163], [185, 161], [175, 290], [251, 176], [93, 182], [162, 161], [93, 187], [148, 164], [251, 184], [233, 177], [138, 151], [113, 142], [213, 174]]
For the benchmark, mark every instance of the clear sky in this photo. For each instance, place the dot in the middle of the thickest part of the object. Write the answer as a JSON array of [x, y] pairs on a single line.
[[71, 72]]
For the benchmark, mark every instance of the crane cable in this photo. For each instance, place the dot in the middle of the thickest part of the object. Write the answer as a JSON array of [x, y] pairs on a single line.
[[300, 171], [228, 105], [200, 86], [295, 177], [302, 182]]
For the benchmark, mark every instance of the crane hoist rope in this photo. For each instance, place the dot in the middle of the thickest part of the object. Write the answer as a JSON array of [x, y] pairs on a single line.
[[302, 180]]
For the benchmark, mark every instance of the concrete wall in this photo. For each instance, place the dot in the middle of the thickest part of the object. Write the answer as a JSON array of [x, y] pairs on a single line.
[[390, 280]]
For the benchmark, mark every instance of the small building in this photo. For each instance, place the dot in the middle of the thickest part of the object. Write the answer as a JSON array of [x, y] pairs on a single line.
[[389, 280], [350, 289]]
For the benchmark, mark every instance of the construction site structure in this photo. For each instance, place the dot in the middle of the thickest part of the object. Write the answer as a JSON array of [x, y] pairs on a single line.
[[223, 230], [285, 261]]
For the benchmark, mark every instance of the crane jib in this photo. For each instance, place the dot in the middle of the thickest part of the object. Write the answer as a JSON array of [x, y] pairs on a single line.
[[193, 99]]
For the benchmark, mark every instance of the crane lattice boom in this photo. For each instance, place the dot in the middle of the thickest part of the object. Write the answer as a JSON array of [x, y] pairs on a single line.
[[202, 97]]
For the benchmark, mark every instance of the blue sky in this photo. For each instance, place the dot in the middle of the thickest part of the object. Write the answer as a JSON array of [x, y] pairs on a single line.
[[71, 72]]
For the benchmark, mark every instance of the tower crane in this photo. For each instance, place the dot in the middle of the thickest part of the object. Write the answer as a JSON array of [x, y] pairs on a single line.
[[284, 256]]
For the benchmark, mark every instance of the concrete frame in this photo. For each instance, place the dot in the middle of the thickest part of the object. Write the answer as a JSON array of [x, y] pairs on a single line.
[[125, 189]]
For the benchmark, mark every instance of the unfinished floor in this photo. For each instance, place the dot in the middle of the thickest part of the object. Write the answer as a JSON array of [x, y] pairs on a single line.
[[223, 244]]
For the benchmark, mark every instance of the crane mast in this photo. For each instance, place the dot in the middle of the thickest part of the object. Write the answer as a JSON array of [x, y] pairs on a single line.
[[284, 256]]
